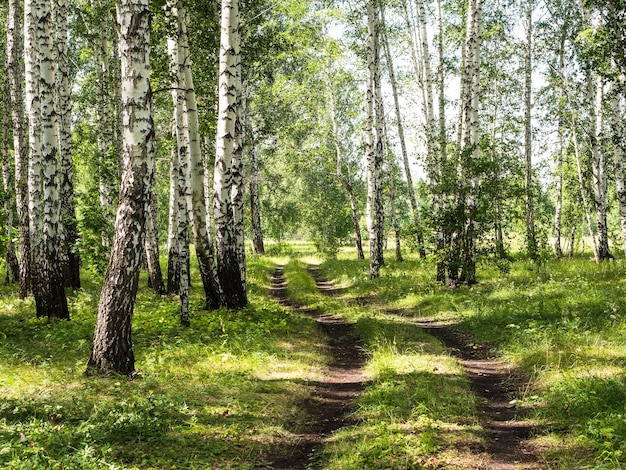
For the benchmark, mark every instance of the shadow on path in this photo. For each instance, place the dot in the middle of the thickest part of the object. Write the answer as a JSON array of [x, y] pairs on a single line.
[[329, 406], [496, 384]]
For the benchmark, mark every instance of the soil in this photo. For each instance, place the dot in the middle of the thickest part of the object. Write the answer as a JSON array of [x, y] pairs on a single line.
[[328, 409], [330, 404]]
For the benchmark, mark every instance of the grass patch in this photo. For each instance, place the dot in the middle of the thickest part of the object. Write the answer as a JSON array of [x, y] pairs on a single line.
[[225, 393]]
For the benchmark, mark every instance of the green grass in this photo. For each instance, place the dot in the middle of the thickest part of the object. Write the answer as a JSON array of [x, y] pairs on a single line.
[[221, 394], [225, 393], [562, 323]]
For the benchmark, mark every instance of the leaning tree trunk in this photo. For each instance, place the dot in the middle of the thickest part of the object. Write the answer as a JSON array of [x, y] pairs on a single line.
[[405, 155], [112, 344], [202, 236], [342, 179], [228, 262], [70, 256], [14, 77], [374, 143], [531, 241]]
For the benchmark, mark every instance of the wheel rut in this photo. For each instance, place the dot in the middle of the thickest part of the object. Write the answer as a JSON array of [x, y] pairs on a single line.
[[495, 383], [329, 406]]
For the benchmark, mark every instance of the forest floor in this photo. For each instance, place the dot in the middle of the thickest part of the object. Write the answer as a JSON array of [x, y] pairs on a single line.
[[329, 407]]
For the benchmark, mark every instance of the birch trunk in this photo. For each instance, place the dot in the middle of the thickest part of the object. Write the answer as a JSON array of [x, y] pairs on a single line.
[[182, 174], [439, 202], [202, 236], [70, 256], [155, 274], [14, 77], [173, 272], [583, 197], [228, 262], [598, 165], [237, 175], [255, 202], [470, 135], [44, 211], [405, 155], [374, 143], [617, 137], [12, 268], [112, 343], [106, 123], [531, 241], [558, 252]]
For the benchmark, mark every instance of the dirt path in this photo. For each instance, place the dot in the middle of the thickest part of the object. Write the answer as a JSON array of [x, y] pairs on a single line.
[[496, 384], [329, 406]]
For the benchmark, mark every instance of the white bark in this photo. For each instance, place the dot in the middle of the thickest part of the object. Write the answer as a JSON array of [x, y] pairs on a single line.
[[69, 254], [531, 242], [405, 155], [202, 237], [14, 77], [229, 271], [112, 344], [106, 123], [598, 164], [470, 133], [374, 142], [182, 174], [617, 138]]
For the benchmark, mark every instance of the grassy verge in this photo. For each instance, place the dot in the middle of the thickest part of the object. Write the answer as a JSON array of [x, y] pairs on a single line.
[[221, 394], [563, 323]]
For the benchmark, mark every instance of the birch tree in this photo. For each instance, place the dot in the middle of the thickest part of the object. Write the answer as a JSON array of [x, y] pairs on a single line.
[[617, 143], [182, 175], [69, 253], [374, 142], [228, 260], [108, 180], [400, 128], [14, 76], [531, 242], [345, 182], [44, 211], [112, 343], [12, 269]]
